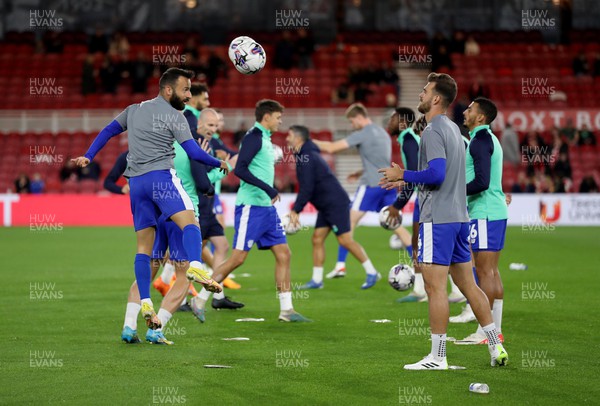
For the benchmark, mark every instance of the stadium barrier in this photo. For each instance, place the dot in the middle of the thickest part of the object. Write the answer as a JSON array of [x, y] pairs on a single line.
[[52, 211]]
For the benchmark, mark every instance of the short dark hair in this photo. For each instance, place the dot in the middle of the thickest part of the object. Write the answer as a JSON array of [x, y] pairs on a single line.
[[169, 78], [266, 106], [356, 109], [198, 88], [301, 130], [445, 86], [487, 108], [407, 114]]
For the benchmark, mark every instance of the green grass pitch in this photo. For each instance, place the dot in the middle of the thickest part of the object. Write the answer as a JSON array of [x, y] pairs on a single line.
[[64, 293]]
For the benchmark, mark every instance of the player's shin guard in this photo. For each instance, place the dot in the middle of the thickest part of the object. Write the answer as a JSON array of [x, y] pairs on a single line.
[[143, 275], [192, 242]]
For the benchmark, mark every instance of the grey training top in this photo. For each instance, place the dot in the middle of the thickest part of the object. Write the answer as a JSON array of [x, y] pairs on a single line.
[[446, 203], [375, 149], [152, 128]]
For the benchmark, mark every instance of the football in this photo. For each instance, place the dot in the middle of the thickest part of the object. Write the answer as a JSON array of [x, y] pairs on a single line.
[[383, 220], [401, 277], [396, 242], [247, 55], [289, 229], [278, 153]]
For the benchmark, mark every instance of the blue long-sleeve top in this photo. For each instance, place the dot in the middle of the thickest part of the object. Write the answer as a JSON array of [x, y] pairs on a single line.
[[317, 183], [110, 183], [410, 150], [433, 175], [481, 149]]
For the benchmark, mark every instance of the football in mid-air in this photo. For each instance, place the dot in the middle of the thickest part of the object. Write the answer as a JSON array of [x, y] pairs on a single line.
[[396, 242], [401, 277], [385, 221], [247, 55], [289, 228]]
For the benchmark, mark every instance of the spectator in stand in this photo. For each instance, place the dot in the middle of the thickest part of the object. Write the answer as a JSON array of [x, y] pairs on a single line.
[[438, 41], [305, 47], [98, 42], [524, 184], [22, 184], [588, 185], [361, 93], [562, 167], [479, 89], [388, 73], [596, 65], [343, 94], [91, 171], [535, 154], [544, 184], [216, 67], [191, 47], [140, 72], [559, 143], [37, 184], [510, 145], [441, 60], [69, 172], [109, 75], [119, 45], [472, 47], [284, 52], [239, 134], [53, 43], [88, 76], [457, 46], [585, 136], [580, 65], [569, 132], [458, 109]]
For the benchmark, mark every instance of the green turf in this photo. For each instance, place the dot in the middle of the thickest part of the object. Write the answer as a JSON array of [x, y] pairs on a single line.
[[341, 358]]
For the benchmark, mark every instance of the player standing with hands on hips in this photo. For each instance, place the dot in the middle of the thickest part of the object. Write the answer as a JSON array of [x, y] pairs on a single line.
[[444, 223]]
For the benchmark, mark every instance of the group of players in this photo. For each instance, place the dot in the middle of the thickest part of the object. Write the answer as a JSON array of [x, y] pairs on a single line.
[[171, 179]]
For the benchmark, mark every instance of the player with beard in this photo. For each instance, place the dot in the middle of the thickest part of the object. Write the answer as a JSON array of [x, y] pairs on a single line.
[[153, 126], [443, 222]]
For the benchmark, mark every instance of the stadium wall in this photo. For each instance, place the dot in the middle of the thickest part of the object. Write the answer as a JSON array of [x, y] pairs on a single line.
[[52, 212]]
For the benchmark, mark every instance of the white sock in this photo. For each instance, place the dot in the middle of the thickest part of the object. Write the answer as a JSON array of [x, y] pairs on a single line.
[[419, 288], [480, 330], [340, 265], [204, 295], [196, 264], [148, 300], [285, 301], [453, 286], [369, 268], [492, 334], [131, 315], [497, 314], [164, 317], [438, 346], [317, 274], [167, 273], [221, 295]]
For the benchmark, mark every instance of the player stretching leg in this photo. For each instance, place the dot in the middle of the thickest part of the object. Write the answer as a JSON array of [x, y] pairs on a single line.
[[375, 149], [319, 186], [444, 223], [487, 207], [256, 220], [153, 126]]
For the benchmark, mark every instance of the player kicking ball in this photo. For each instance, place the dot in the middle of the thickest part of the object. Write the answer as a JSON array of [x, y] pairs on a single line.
[[153, 126], [256, 219], [444, 223], [319, 186], [487, 206]]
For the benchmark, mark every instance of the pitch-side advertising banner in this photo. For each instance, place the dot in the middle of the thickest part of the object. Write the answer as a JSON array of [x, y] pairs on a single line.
[[54, 211]]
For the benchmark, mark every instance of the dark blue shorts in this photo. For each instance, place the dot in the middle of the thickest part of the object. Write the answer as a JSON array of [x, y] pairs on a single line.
[[444, 244], [257, 224], [168, 235], [155, 193], [487, 235], [210, 226], [337, 218], [372, 198]]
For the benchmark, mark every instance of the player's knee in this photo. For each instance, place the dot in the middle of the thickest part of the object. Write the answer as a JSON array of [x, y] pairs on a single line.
[[284, 255], [317, 240]]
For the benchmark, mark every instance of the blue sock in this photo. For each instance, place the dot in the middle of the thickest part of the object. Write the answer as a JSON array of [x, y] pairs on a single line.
[[192, 242], [143, 274], [409, 250], [342, 254]]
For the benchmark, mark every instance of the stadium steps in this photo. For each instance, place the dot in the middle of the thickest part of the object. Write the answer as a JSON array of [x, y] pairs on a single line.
[[411, 83]]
